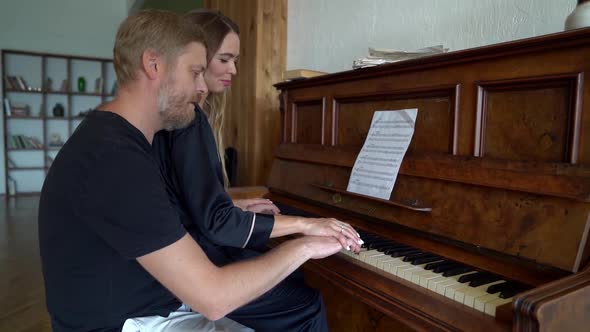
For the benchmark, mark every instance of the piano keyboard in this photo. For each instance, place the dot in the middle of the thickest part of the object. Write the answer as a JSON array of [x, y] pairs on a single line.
[[482, 291]]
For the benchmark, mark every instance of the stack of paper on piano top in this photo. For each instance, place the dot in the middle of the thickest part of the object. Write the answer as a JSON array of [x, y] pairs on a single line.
[[381, 56]]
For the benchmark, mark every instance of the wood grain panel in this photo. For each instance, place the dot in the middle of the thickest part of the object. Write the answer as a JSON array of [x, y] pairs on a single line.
[[349, 314], [435, 122], [512, 223], [309, 122], [561, 305], [252, 122], [529, 119], [551, 179]]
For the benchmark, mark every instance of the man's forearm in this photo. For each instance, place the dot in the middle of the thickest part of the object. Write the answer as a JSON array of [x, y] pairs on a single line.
[[244, 281], [185, 270]]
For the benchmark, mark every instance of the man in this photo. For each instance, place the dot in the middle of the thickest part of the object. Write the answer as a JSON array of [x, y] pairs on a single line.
[[114, 251]]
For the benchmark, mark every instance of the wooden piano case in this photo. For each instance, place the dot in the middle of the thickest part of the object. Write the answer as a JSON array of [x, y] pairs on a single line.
[[497, 176]]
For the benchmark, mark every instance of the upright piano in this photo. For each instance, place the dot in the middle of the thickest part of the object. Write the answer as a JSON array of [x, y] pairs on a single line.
[[487, 226]]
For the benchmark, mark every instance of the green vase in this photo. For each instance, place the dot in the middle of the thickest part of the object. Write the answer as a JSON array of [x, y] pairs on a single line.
[[81, 84]]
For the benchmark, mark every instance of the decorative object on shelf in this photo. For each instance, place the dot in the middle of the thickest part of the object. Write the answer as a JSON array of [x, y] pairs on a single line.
[[81, 84], [98, 85], [580, 17], [59, 110], [48, 86], [64, 85], [55, 140]]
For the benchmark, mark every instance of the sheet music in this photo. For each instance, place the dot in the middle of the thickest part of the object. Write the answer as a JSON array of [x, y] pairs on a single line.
[[377, 165]]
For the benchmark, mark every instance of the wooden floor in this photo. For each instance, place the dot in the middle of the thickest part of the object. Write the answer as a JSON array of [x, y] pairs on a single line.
[[22, 296]]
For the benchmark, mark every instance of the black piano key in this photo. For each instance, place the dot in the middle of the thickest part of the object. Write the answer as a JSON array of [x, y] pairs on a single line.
[[469, 277], [402, 252], [425, 260], [457, 271], [393, 247], [377, 244], [369, 243], [432, 266], [292, 211], [446, 267], [498, 287], [410, 258], [484, 279], [512, 290]]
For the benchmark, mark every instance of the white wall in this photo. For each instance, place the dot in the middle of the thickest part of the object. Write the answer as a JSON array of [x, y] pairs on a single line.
[[327, 35], [78, 27]]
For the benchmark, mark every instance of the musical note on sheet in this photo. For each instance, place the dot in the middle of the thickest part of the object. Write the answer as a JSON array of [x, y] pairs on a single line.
[[377, 165]]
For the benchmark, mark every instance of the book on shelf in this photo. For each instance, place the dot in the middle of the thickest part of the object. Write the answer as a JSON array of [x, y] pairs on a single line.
[[20, 110], [24, 142], [7, 109], [14, 83], [11, 163], [7, 82], [297, 74]]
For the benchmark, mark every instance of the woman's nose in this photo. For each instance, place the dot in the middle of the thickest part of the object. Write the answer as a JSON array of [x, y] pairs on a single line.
[[232, 68]]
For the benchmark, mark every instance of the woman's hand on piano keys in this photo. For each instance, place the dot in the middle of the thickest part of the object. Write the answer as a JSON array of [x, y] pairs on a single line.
[[257, 205], [317, 247], [343, 232]]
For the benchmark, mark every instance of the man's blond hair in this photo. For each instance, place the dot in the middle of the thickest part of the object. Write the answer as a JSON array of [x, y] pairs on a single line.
[[162, 32]]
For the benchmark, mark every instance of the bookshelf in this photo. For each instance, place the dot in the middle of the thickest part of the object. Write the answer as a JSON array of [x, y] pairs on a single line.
[[35, 127]]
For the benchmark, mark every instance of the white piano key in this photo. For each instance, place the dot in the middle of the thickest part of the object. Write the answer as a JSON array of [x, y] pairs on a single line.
[[392, 267], [401, 271], [369, 254], [490, 307], [417, 269], [416, 276], [424, 279], [450, 289], [434, 281], [471, 294], [480, 302], [381, 262], [440, 287], [373, 258]]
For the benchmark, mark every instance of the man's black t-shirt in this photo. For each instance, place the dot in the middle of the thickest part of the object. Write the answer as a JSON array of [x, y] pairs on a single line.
[[104, 204]]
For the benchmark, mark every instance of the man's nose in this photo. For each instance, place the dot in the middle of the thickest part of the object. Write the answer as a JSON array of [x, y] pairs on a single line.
[[201, 85]]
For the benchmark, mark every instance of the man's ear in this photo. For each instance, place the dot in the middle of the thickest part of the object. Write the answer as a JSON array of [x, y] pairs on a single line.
[[151, 64]]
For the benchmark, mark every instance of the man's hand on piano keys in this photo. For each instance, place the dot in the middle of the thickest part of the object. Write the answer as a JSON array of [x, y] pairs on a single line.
[[343, 232]]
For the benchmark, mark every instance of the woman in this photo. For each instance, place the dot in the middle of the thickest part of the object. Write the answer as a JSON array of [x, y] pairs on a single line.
[[228, 231]]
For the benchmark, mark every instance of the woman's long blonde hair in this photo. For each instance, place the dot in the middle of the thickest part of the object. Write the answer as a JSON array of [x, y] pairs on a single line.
[[216, 27]]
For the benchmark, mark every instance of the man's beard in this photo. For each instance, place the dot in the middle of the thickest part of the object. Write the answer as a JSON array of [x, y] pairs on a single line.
[[174, 108]]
